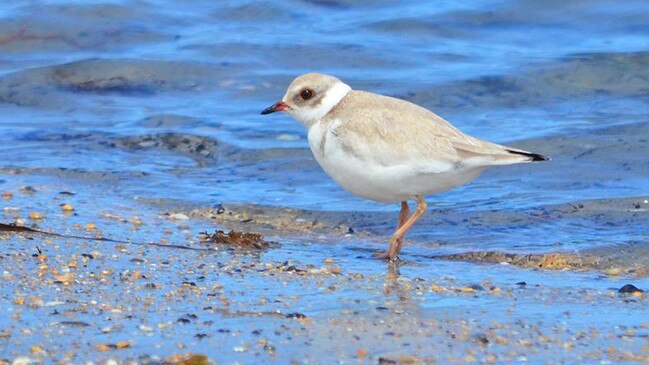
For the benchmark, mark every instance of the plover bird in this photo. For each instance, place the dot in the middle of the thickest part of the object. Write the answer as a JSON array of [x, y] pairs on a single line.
[[387, 149]]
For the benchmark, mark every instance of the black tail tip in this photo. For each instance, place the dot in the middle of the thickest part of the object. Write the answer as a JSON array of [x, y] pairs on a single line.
[[539, 157], [532, 156]]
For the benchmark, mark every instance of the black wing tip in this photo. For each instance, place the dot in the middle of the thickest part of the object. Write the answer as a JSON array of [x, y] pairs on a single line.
[[533, 156]]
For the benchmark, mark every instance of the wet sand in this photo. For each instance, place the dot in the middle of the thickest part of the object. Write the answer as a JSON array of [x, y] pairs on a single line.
[[304, 301]]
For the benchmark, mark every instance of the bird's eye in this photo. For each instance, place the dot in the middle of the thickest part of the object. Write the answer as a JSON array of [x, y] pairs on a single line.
[[307, 94]]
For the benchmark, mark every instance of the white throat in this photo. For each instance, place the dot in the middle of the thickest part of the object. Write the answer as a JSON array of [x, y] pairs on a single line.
[[309, 116]]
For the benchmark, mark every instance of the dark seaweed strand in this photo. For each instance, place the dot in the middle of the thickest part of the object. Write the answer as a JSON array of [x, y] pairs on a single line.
[[12, 228]]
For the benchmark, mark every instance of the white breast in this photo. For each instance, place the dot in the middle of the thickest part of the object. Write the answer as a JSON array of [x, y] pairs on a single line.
[[375, 181]]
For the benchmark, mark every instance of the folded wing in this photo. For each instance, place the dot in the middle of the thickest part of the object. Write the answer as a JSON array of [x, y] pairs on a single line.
[[391, 131]]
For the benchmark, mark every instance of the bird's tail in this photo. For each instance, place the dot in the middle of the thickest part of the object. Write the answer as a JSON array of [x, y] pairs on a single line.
[[532, 156], [483, 153]]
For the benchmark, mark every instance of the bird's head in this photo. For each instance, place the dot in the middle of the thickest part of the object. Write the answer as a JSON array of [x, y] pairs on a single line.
[[310, 97]]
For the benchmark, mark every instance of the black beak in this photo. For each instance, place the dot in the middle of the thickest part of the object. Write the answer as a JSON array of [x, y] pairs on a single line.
[[278, 106]]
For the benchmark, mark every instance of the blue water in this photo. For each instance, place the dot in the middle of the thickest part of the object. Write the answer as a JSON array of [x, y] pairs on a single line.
[[77, 76]]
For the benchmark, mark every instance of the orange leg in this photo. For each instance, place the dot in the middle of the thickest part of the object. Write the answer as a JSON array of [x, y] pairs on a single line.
[[404, 214], [405, 223]]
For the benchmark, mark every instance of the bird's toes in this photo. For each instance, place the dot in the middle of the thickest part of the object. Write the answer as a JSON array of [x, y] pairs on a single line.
[[385, 255]]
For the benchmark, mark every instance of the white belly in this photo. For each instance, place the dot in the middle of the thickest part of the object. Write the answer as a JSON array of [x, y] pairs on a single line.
[[388, 184]]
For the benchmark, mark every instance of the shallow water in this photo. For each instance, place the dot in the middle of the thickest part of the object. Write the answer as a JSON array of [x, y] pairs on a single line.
[[78, 78], [131, 101]]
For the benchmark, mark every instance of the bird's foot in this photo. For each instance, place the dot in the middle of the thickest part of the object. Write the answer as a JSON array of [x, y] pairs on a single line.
[[392, 252], [386, 256], [382, 255]]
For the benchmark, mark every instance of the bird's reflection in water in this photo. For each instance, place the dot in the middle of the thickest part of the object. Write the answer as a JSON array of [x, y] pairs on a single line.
[[401, 289], [394, 268]]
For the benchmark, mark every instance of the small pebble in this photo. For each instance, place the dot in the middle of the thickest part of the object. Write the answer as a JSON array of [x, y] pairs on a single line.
[[178, 216], [614, 271], [67, 207], [22, 360], [27, 189], [629, 289], [35, 215]]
